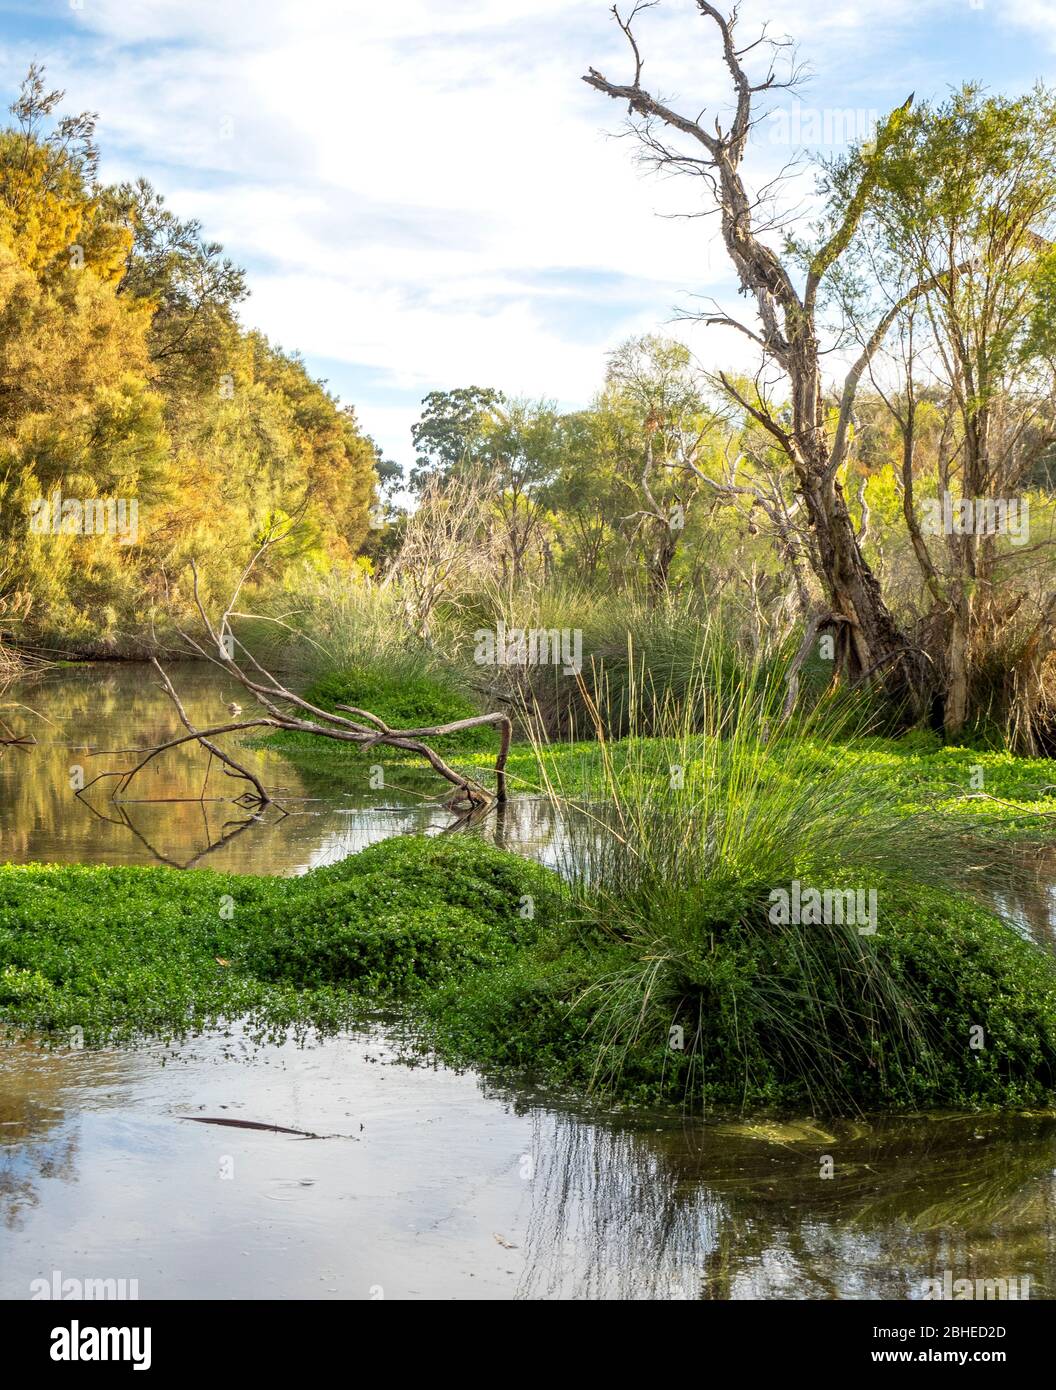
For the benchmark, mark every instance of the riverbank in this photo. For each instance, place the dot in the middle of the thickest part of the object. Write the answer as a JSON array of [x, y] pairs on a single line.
[[994, 792], [991, 791]]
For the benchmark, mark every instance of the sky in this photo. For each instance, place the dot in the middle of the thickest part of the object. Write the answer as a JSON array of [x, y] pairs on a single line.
[[424, 193]]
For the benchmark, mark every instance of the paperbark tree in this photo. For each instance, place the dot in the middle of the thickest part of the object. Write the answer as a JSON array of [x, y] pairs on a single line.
[[870, 640]]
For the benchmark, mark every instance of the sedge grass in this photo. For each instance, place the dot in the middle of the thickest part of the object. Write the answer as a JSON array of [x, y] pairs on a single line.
[[676, 858]]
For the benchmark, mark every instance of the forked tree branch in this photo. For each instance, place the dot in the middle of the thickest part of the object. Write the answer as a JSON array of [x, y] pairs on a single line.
[[288, 711]]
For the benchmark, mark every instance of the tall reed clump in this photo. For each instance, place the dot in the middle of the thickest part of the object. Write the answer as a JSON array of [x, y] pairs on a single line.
[[331, 624], [638, 652], [14, 607], [685, 862], [1013, 688]]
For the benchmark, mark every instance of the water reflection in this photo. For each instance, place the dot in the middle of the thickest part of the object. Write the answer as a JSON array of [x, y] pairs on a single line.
[[744, 1211], [441, 1186], [96, 719], [1029, 900], [37, 1141]]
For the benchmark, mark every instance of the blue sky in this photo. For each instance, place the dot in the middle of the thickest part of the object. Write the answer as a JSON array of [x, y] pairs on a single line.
[[425, 194]]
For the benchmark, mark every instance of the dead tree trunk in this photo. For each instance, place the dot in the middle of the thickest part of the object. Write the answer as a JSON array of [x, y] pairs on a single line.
[[787, 337]]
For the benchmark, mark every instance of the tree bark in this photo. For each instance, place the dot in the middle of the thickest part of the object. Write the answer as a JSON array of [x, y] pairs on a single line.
[[788, 337]]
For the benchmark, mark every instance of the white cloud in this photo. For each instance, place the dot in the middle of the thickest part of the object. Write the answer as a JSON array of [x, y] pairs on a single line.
[[1039, 16], [405, 179]]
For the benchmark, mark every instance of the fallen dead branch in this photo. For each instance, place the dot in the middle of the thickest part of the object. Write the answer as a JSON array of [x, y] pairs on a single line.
[[285, 710]]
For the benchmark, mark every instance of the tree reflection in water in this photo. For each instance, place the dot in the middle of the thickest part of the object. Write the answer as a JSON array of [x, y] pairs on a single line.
[[38, 1141], [721, 1211]]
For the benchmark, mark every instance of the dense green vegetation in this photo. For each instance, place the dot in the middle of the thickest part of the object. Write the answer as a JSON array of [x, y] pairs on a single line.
[[504, 969], [655, 970], [121, 951], [403, 702], [127, 379], [675, 843], [991, 792], [877, 1023]]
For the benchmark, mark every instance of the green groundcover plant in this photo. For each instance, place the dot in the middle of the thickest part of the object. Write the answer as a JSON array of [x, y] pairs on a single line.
[[116, 952], [505, 966]]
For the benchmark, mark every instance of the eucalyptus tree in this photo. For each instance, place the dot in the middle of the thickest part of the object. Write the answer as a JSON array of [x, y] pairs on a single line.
[[511, 450], [662, 427], [584, 499], [966, 198], [449, 435]]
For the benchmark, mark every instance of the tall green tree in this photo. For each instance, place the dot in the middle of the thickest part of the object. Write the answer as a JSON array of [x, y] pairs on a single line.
[[966, 200]]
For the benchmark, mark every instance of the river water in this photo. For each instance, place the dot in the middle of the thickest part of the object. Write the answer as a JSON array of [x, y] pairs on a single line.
[[89, 722], [425, 1182]]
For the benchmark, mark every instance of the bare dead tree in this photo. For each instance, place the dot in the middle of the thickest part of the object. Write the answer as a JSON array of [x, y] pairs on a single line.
[[787, 332], [121, 815], [444, 548]]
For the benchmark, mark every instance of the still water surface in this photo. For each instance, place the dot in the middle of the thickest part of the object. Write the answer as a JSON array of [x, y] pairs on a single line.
[[431, 1183], [437, 1186], [91, 720]]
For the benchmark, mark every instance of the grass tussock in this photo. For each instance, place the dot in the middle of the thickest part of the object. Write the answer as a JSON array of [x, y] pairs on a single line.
[[680, 978]]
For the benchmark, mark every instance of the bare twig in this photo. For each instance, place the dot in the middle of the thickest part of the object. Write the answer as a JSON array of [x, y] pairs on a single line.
[[287, 711]]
